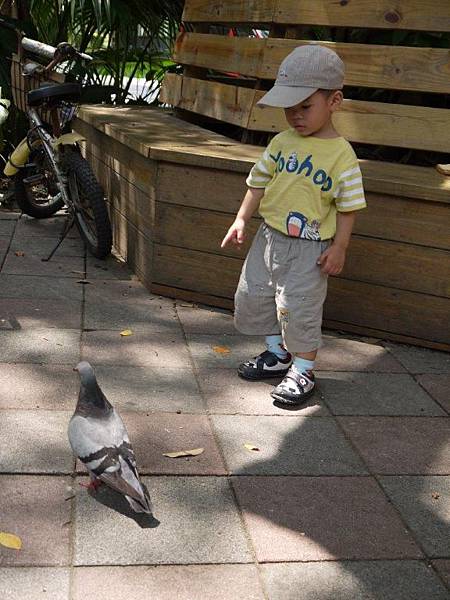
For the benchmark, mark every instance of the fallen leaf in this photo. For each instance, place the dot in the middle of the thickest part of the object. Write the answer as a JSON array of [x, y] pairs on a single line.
[[251, 447], [126, 332], [194, 452], [83, 281], [435, 495], [10, 540], [221, 349], [19, 253]]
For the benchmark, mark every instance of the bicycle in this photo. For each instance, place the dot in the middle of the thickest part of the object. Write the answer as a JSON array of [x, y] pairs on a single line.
[[47, 166]]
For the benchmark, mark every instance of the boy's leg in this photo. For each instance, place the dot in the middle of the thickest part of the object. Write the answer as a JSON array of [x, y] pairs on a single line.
[[256, 314], [300, 307]]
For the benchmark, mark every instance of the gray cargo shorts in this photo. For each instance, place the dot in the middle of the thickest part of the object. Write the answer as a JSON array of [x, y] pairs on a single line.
[[281, 288]]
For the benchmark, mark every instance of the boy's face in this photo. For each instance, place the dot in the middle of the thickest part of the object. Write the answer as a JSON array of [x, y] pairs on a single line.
[[313, 115]]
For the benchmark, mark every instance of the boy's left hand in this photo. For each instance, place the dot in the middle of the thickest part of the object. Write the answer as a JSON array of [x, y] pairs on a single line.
[[332, 260]]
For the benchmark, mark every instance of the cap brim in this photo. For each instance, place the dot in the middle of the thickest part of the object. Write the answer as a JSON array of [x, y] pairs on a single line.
[[285, 96]]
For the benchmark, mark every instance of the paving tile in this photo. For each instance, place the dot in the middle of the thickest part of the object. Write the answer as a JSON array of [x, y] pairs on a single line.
[[223, 351], [420, 360], [35, 441], [16, 313], [206, 320], [226, 393], [153, 434], [143, 349], [166, 582], [9, 215], [401, 445], [442, 566], [424, 503], [355, 580], [52, 227], [199, 523], [57, 346], [129, 306], [112, 267], [34, 287], [438, 386], [287, 446], [340, 354], [28, 386], [34, 583], [375, 394], [321, 518], [70, 266], [36, 510], [145, 389], [7, 227], [41, 246]]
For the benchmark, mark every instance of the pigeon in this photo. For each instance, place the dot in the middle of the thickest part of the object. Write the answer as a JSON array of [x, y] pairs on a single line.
[[98, 437]]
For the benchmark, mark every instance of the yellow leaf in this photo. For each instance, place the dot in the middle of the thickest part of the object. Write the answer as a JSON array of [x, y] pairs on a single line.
[[194, 452], [221, 349], [19, 253], [10, 540], [126, 332], [251, 447]]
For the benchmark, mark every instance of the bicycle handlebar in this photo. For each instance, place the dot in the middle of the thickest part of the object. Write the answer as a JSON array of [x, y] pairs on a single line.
[[63, 51]]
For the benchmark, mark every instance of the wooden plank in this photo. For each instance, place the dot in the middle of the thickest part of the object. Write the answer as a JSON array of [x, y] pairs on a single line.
[[196, 271], [376, 333], [404, 220], [223, 53], [374, 123], [228, 103], [393, 264], [192, 186], [231, 11], [367, 65], [386, 309], [362, 304], [133, 246], [189, 296], [422, 15]]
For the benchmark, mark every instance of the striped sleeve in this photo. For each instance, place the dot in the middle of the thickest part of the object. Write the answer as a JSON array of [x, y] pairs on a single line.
[[350, 192], [262, 171]]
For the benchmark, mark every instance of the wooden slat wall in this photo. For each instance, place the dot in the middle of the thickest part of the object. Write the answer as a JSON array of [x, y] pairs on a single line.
[[366, 65], [368, 122], [422, 15]]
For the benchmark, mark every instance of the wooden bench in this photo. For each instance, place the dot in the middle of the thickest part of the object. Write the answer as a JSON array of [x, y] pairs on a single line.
[[175, 186]]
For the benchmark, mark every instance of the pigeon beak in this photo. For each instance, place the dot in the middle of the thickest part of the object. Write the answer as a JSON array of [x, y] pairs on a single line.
[[75, 369]]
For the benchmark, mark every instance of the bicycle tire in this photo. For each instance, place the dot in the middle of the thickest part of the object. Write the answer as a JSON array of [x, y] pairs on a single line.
[[91, 215], [27, 201]]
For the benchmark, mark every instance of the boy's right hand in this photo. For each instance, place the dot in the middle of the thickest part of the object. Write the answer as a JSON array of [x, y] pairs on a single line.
[[236, 234]]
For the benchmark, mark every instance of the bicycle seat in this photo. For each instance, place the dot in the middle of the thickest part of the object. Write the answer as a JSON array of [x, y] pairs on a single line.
[[53, 93]]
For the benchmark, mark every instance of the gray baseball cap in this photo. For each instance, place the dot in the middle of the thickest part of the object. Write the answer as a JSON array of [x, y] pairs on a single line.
[[304, 71]]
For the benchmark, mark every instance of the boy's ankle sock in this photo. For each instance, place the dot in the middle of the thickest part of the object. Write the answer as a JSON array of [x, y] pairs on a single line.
[[301, 365], [274, 344]]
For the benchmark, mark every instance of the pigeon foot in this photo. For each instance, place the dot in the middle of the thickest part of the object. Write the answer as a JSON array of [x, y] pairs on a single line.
[[94, 484]]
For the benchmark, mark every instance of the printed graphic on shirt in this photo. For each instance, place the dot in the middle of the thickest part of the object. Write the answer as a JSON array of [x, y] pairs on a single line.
[[292, 165], [306, 181], [297, 226]]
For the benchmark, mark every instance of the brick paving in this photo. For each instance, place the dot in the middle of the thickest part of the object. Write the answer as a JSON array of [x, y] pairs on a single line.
[[347, 498]]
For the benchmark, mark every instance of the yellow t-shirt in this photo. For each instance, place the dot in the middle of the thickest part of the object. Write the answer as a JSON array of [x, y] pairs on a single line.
[[306, 180]]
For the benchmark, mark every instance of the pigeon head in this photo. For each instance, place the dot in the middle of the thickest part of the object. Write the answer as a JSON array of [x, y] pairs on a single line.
[[91, 396]]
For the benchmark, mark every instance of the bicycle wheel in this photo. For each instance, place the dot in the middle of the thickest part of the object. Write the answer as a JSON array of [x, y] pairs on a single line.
[[90, 209], [35, 188]]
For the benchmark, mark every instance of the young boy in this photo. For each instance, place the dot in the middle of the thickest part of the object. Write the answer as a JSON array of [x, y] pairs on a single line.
[[307, 186]]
